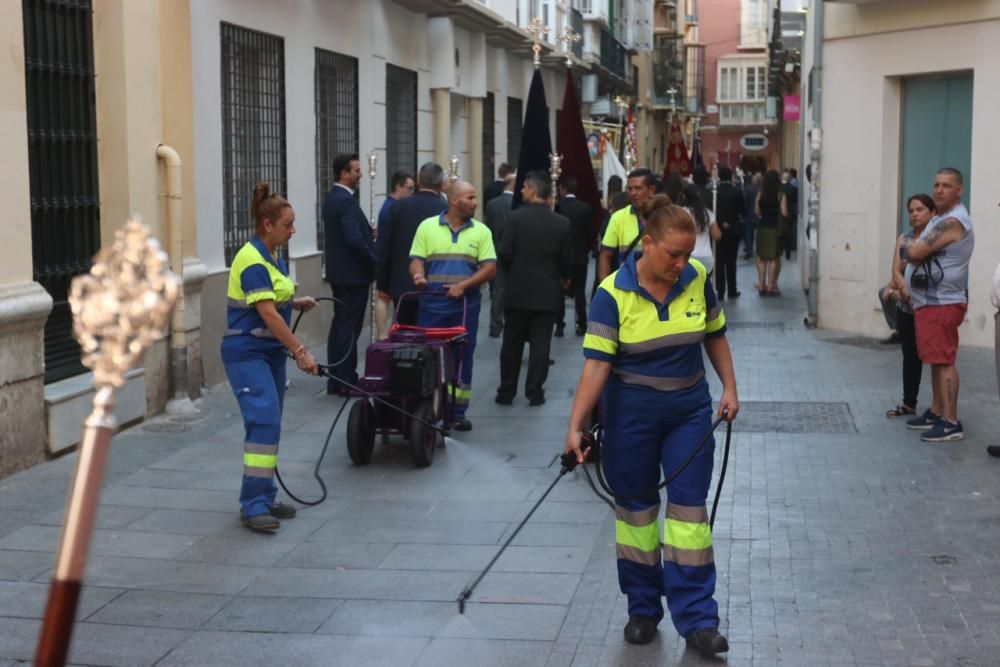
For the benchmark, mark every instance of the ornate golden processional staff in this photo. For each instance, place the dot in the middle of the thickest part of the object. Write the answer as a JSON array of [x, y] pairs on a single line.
[[119, 310]]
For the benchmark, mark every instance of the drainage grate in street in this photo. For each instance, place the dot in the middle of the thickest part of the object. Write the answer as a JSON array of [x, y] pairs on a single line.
[[768, 326], [794, 417], [862, 342]]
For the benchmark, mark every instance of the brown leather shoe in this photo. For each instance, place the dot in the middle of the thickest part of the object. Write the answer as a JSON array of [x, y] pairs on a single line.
[[708, 642]]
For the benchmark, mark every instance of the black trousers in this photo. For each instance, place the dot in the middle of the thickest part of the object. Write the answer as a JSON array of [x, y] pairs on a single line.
[[342, 342], [578, 288], [498, 287], [912, 366], [533, 327], [727, 251]]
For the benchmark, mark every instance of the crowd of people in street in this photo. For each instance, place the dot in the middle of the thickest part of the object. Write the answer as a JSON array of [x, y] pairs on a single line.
[[666, 255]]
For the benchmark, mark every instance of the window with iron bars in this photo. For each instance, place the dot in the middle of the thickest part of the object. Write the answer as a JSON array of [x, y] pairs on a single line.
[[336, 83], [489, 138], [62, 162], [400, 122], [253, 126], [515, 118]]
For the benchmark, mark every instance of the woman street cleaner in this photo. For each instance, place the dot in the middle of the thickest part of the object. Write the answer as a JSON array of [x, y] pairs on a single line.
[[648, 324]]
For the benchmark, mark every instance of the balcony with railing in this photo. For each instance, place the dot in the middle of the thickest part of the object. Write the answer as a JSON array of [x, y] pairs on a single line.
[[665, 18], [576, 23], [594, 10], [613, 54], [743, 113], [669, 68], [694, 79]]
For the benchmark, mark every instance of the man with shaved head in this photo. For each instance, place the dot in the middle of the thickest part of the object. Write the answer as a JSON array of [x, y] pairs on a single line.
[[453, 255]]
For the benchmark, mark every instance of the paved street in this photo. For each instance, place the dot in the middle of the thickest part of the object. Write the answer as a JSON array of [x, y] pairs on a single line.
[[841, 539]]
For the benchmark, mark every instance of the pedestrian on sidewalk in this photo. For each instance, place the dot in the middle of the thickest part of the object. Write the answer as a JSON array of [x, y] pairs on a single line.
[[895, 297], [402, 187], [707, 231], [581, 221], [453, 254], [624, 232], [255, 350], [750, 221], [994, 450], [395, 241], [497, 213], [350, 270], [770, 207], [537, 255], [937, 273], [729, 216], [648, 325]]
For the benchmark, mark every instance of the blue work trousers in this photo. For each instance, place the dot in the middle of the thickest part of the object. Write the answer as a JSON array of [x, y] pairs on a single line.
[[434, 314], [258, 381], [643, 434]]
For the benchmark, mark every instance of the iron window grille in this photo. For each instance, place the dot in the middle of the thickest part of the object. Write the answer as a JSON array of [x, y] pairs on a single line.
[[336, 84], [253, 126], [489, 138], [62, 162], [515, 117], [400, 122]]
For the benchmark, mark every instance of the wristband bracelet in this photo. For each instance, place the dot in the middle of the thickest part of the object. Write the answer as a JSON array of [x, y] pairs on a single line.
[[295, 354]]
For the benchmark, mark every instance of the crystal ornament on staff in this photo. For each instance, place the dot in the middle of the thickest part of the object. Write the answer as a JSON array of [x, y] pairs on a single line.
[[373, 221], [119, 310], [453, 169], [555, 171]]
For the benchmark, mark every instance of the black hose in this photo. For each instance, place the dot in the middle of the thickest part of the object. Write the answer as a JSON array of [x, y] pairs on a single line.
[[319, 462]]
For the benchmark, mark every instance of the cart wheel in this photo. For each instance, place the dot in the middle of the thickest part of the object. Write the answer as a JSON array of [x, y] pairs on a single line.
[[423, 438], [361, 432]]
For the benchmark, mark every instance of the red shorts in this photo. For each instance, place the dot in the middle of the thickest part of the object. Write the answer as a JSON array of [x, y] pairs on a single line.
[[937, 333]]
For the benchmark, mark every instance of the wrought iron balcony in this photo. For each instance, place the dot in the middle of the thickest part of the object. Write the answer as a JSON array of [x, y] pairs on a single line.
[[613, 54], [576, 22]]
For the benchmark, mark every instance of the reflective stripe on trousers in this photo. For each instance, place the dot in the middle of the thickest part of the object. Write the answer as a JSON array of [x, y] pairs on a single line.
[[258, 382], [463, 354], [639, 443]]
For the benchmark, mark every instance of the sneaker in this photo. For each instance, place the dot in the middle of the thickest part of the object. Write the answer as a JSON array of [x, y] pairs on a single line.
[[262, 523], [944, 431], [924, 422], [283, 511]]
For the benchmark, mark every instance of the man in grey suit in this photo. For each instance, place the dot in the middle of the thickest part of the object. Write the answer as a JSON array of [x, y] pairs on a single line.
[[497, 214]]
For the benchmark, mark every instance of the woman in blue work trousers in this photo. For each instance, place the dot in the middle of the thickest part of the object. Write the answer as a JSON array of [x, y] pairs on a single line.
[[255, 349], [648, 324]]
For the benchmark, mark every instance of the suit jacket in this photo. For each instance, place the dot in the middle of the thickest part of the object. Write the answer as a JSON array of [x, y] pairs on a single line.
[[492, 191], [581, 226], [497, 214], [730, 208], [537, 253], [350, 248], [395, 240]]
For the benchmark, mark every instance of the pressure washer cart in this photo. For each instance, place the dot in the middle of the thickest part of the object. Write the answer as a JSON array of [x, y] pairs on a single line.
[[411, 372]]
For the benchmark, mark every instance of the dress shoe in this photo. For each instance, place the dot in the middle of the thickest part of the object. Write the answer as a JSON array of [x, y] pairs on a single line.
[[993, 450], [503, 400], [581, 331], [560, 331], [494, 333], [462, 425], [735, 294], [536, 401], [640, 629], [708, 642]]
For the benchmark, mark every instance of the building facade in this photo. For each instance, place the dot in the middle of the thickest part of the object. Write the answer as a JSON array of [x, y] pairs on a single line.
[[235, 91], [907, 88]]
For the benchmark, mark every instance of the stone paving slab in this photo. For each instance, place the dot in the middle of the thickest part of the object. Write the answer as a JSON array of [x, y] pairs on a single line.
[[858, 548]]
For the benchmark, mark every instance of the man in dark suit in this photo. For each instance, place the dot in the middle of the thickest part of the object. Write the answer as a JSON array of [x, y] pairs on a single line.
[[497, 214], [394, 242], [581, 224], [496, 188], [729, 214], [537, 252], [350, 269], [790, 186]]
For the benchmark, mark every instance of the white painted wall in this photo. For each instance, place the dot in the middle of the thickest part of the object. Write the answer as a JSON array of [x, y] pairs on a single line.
[[860, 175]]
